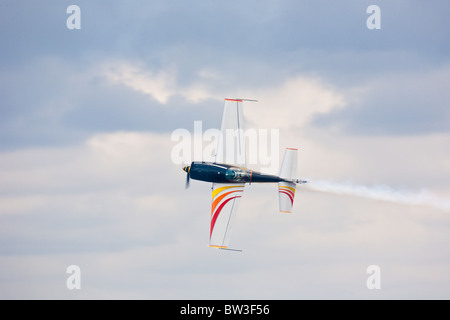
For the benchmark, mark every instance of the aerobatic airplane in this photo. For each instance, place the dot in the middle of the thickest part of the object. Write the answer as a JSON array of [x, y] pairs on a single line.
[[228, 180]]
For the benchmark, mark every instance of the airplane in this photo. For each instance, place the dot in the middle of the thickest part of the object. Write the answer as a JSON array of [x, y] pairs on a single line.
[[229, 179]]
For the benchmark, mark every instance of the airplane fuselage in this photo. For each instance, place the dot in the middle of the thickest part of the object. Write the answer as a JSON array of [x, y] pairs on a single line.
[[225, 173]]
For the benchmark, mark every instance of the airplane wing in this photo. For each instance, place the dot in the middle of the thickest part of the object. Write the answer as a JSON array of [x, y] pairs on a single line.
[[225, 202], [231, 144]]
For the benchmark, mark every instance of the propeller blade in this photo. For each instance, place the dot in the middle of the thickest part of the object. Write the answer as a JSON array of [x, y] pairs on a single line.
[[187, 180]]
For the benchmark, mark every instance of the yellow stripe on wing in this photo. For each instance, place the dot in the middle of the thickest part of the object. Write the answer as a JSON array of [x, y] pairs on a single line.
[[218, 190], [286, 187]]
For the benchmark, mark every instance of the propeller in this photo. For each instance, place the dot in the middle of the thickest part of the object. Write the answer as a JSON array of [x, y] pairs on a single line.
[[187, 180], [188, 176]]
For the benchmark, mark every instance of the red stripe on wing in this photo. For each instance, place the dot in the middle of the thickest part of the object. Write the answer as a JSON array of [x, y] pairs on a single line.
[[289, 195], [216, 214]]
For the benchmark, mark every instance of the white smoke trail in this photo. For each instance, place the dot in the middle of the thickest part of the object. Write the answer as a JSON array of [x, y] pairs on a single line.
[[381, 192]]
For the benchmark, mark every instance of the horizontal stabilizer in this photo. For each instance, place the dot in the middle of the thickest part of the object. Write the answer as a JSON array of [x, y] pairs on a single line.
[[288, 171], [286, 194]]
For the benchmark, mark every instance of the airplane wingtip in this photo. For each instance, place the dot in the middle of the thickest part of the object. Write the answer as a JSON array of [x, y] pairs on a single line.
[[224, 248]]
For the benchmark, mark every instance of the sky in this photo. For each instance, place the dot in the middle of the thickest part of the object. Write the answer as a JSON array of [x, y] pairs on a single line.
[[87, 175]]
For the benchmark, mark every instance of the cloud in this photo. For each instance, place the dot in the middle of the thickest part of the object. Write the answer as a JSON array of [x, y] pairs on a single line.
[[116, 205], [52, 101], [159, 86], [86, 174], [300, 96], [400, 103], [164, 84], [293, 102], [116, 190]]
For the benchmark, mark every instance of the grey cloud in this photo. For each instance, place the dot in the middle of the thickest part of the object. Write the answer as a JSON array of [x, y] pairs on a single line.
[[53, 102], [402, 104], [250, 44], [115, 204], [257, 30]]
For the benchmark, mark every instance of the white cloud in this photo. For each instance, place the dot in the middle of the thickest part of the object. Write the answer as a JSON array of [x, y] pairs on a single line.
[[400, 103], [117, 207], [159, 85], [293, 102], [299, 97]]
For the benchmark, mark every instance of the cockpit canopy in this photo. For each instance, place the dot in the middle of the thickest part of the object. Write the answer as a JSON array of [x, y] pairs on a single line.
[[238, 175]]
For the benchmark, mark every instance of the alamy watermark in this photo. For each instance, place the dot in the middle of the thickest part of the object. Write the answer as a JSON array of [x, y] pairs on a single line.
[[74, 280], [374, 280], [73, 22], [262, 146], [373, 22]]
